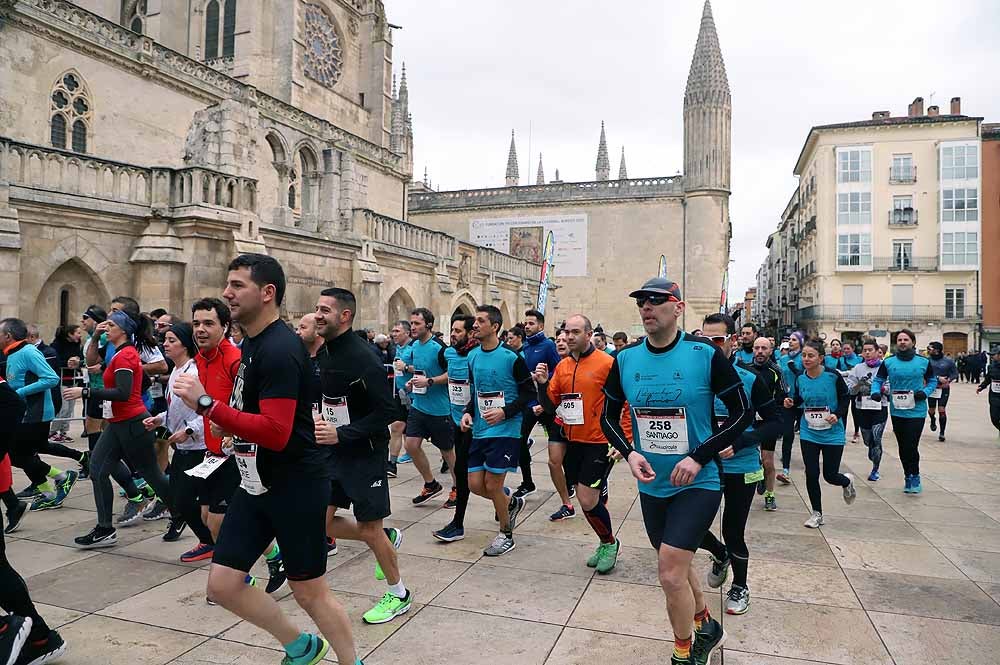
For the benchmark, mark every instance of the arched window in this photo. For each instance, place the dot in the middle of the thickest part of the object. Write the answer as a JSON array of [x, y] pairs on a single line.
[[63, 307], [220, 31], [137, 19], [323, 57], [70, 110], [302, 179]]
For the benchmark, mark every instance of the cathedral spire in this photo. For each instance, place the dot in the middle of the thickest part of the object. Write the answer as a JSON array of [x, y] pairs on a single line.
[[540, 178], [513, 178], [622, 173], [603, 163]]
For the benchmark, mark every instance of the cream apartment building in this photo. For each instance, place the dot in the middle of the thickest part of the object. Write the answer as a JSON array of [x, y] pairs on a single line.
[[890, 227]]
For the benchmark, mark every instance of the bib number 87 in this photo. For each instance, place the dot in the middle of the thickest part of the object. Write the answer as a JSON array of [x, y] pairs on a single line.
[[659, 425]]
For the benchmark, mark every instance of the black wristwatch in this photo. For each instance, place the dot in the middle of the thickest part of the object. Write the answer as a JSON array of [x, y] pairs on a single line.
[[189, 431], [205, 402]]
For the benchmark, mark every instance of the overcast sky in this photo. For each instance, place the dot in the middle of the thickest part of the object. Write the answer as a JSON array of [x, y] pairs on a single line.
[[554, 69]]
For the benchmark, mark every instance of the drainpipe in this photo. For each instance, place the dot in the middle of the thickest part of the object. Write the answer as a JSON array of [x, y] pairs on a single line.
[[684, 256]]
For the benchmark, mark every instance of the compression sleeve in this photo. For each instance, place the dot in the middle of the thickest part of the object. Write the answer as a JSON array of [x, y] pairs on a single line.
[[526, 391], [769, 426], [728, 387], [614, 402], [880, 378], [269, 428], [843, 399], [931, 379], [122, 390]]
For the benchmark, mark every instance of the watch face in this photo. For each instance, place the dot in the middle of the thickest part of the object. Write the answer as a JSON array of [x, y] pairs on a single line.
[[205, 401]]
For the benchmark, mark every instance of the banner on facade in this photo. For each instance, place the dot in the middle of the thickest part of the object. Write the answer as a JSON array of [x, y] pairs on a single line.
[[524, 237], [662, 271], [725, 287], [546, 277]]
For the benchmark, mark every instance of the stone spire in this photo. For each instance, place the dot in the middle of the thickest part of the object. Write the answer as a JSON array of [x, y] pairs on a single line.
[[557, 177], [603, 163], [707, 113], [396, 123], [540, 178], [513, 178], [622, 172]]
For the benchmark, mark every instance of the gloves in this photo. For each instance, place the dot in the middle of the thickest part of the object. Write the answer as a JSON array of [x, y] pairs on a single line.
[[919, 395], [877, 397]]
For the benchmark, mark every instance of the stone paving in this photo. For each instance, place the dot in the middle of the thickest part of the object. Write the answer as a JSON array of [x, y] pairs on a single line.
[[892, 579]]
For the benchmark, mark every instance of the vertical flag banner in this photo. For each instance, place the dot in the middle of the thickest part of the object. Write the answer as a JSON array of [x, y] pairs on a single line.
[[725, 288], [662, 272], [546, 277]]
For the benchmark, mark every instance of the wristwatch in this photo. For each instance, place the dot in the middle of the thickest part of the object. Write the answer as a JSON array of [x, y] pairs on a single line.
[[205, 402], [189, 431]]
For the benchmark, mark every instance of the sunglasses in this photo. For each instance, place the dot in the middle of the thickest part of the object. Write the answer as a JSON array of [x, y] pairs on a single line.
[[718, 341], [640, 301]]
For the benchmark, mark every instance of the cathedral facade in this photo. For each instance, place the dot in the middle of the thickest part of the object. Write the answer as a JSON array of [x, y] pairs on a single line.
[[144, 143]]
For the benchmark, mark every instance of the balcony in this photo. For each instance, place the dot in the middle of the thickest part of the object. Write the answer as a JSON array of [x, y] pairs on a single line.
[[904, 263], [906, 217], [902, 176], [871, 314], [809, 227]]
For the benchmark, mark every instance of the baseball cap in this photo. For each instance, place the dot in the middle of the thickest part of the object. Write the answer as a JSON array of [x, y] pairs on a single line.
[[658, 286], [96, 313]]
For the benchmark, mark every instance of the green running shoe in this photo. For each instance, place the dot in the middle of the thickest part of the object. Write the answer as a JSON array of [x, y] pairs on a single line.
[[314, 654], [608, 557], [596, 556], [389, 608], [396, 538]]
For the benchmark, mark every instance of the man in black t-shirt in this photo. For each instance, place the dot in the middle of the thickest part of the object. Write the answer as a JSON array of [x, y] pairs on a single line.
[[285, 475]]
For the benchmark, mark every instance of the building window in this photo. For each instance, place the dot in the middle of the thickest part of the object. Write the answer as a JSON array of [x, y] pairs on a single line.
[[902, 254], [960, 205], [854, 166], [954, 302], [70, 112], [854, 249], [902, 210], [136, 21], [959, 249], [323, 58], [220, 32], [854, 208], [902, 169], [959, 162]]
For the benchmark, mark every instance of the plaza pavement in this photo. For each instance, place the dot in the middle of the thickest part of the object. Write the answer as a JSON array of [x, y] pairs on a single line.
[[892, 579]]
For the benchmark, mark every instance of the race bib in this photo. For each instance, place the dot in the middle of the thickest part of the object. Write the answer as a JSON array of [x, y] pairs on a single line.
[[246, 462], [662, 430], [936, 394], [868, 404], [903, 400], [391, 369], [106, 412], [422, 390], [491, 400], [156, 390], [335, 411], [571, 409], [816, 418], [207, 467], [459, 392], [995, 387]]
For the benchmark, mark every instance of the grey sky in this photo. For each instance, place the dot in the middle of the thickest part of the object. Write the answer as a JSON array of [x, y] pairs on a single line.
[[476, 70]]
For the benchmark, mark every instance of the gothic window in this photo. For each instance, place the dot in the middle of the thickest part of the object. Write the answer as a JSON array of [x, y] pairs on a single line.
[[323, 57], [137, 19], [220, 31], [70, 113]]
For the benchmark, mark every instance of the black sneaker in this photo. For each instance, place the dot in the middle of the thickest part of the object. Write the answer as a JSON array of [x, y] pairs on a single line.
[[429, 491], [761, 488], [13, 638], [706, 641], [572, 491], [29, 493], [174, 531], [276, 569], [157, 510], [85, 465], [513, 508], [444, 467], [42, 651], [391, 469], [524, 490], [98, 537], [14, 516], [941, 436], [933, 425]]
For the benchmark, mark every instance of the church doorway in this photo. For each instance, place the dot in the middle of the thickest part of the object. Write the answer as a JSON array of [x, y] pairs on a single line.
[[399, 308], [68, 291]]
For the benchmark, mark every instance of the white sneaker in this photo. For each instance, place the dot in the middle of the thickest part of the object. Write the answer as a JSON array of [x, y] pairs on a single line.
[[850, 493], [815, 521]]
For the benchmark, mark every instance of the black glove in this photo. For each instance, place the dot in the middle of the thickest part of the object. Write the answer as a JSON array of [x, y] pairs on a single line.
[[919, 395], [877, 397]]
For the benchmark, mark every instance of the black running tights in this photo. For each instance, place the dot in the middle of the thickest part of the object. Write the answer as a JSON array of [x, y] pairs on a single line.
[[831, 469], [908, 431], [738, 496], [14, 596]]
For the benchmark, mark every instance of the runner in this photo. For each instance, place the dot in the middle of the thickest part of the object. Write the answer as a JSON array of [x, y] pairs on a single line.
[[790, 366], [870, 415], [575, 394], [500, 387], [92, 374], [459, 396], [848, 361], [537, 349], [354, 421], [285, 476], [992, 381], [832, 359], [823, 397], [564, 483], [946, 371], [620, 341], [430, 413], [748, 335], [400, 337], [769, 373], [912, 379], [670, 381], [515, 338]]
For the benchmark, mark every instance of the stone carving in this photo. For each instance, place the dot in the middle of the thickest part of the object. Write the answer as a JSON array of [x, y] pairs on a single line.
[[465, 272]]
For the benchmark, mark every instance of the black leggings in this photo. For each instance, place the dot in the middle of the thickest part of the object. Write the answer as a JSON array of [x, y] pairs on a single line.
[[528, 422], [125, 438], [738, 496], [29, 439], [831, 469], [908, 431], [185, 492], [14, 596], [462, 442], [995, 411], [791, 416]]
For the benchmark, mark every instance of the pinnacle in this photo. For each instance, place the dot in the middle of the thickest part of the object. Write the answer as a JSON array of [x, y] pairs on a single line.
[[708, 70], [512, 172], [622, 172], [540, 178], [603, 166]]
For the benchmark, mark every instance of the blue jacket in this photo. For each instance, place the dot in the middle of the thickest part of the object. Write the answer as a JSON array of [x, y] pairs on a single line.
[[540, 349], [32, 378]]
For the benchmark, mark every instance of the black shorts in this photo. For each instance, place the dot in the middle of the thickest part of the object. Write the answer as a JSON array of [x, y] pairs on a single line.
[[769, 445], [401, 412], [361, 482], [588, 463], [439, 429], [293, 513], [942, 401], [94, 409], [680, 520], [217, 490]]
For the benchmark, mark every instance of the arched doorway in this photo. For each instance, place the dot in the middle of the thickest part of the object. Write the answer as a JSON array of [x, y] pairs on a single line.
[[68, 291], [955, 343], [399, 308]]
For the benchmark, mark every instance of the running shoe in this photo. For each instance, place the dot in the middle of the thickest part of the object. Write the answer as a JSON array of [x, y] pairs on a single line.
[[85, 465], [815, 520], [596, 556], [608, 557], [761, 488], [785, 477], [42, 651], [71, 478], [706, 641], [674, 660], [387, 609], [909, 484], [916, 487], [854, 439], [391, 470], [452, 499], [14, 516], [428, 492], [941, 437], [873, 476], [156, 510], [524, 490], [444, 467], [933, 424], [29, 493], [737, 600], [449, 533], [564, 513], [49, 502], [199, 552], [850, 492], [770, 504], [174, 530], [531, 442], [500, 545], [513, 508], [331, 546], [318, 647], [131, 514], [12, 639], [98, 537], [572, 491], [719, 573], [404, 459], [276, 571], [395, 537]]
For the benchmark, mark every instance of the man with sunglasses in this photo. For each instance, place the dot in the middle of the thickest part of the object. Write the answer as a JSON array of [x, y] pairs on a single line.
[[670, 382]]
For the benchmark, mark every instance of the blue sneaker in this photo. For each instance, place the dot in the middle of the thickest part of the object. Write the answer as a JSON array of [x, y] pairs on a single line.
[[915, 487], [909, 484], [450, 533], [314, 654], [404, 459], [873, 476]]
